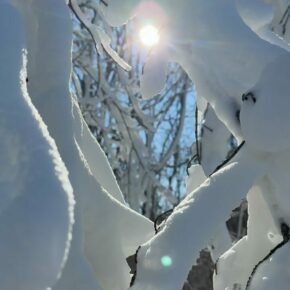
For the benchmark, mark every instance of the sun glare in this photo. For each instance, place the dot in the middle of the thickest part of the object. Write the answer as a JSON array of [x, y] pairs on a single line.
[[149, 35], [166, 261]]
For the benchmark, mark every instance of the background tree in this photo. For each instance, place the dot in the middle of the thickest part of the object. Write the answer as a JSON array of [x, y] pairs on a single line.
[[149, 142]]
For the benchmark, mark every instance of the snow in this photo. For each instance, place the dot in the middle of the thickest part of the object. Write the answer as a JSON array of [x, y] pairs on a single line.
[[265, 123], [236, 265], [220, 240], [220, 191], [260, 17], [106, 231], [90, 147], [36, 212], [274, 273], [195, 179], [45, 170], [194, 43], [213, 141], [100, 37], [256, 14], [224, 62]]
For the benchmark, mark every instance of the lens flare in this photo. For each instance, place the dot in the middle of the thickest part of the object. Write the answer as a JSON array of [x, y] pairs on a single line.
[[166, 261], [149, 35]]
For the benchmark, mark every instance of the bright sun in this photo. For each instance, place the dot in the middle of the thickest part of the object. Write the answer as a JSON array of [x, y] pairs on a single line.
[[149, 35]]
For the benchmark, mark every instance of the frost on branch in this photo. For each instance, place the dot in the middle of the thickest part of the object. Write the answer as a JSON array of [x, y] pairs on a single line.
[[134, 133], [99, 36], [243, 77], [227, 62], [106, 231]]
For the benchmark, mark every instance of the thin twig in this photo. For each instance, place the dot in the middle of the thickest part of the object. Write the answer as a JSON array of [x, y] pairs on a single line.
[[208, 128], [196, 157], [136, 262], [286, 238], [284, 20], [160, 218], [229, 158], [96, 33], [193, 158], [196, 136], [166, 156], [104, 2]]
